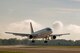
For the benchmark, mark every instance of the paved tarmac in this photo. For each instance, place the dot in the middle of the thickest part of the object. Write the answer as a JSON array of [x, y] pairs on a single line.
[[35, 49]]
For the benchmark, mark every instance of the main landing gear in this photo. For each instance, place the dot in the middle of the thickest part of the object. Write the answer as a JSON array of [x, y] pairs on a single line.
[[45, 41]]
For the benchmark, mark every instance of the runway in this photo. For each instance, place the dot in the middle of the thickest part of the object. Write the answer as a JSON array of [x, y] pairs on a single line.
[[40, 49]]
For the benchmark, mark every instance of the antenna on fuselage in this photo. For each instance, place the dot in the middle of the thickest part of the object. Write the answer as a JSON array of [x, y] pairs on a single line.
[[32, 31]]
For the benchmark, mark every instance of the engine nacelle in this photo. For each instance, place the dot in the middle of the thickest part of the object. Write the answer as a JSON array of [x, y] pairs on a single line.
[[30, 37], [53, 37]]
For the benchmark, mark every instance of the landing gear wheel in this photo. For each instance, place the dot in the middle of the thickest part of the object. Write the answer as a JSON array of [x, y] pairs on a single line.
[[45, 41], [33, 41]]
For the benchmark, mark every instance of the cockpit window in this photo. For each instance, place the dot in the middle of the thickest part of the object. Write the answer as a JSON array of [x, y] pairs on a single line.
[[48, 29]]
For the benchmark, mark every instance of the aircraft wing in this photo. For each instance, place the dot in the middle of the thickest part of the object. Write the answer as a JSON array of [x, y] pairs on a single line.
[[60, 34], [19, 34]]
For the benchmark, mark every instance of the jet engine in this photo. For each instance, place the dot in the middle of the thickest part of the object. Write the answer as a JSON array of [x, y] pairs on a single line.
[[53, 37], [30, 37]]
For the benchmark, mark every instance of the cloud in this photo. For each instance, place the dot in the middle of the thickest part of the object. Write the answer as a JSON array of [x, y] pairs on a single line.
[[58, 26], [67, 10], [49, 12], [73, 29], [76, 0], [23, 26]]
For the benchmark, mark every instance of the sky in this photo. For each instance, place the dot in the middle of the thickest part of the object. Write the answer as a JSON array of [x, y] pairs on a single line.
[[60, 15]]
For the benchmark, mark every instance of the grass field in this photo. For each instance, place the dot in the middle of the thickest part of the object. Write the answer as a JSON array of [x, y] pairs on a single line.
[[50, 46]]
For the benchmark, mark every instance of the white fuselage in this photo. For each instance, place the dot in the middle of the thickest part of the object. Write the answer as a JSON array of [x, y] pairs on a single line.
[[42, 33]]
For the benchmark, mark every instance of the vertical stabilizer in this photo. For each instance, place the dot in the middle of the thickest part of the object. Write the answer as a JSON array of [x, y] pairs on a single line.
[[32, 31]]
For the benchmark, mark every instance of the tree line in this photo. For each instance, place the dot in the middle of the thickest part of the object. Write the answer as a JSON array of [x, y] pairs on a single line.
[[14, 41]]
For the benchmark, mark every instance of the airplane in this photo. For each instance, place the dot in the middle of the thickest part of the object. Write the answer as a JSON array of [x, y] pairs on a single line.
[[45, 33]]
